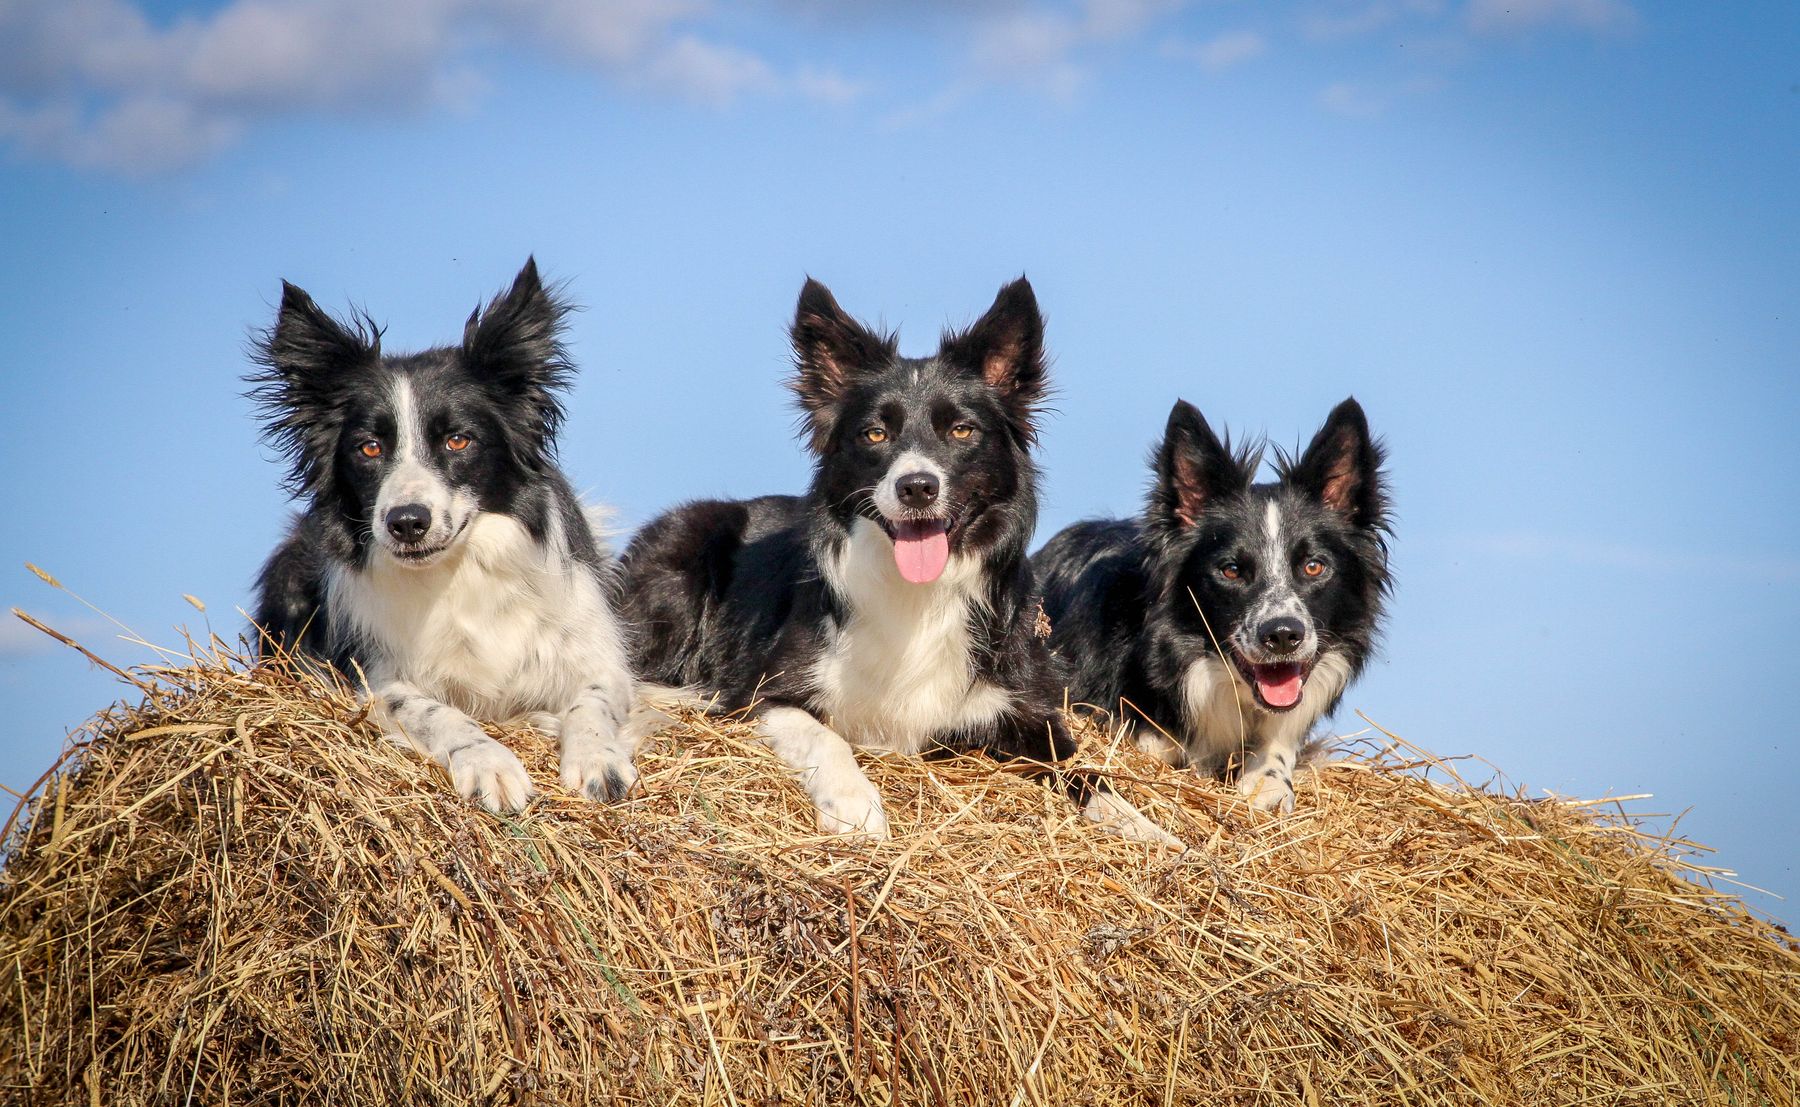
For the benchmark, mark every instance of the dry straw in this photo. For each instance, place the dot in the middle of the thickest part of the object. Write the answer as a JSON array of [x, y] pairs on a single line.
[[237, 892]]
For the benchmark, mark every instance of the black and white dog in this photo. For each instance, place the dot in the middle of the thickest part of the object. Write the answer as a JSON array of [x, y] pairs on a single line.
[[440, 549], [892, 606], [1227, 620]]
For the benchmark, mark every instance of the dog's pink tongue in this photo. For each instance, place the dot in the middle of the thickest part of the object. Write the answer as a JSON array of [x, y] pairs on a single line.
[[921, 550], [1279, 684]]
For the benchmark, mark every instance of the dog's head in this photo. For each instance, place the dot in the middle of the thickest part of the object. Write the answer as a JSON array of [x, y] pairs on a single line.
[[934, 451], [1272, 576], [410, 448]]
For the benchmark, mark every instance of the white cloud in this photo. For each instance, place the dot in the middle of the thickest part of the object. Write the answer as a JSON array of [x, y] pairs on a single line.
[[97, 84], [1220, 52], [707, 72], [1648, 560], [19, 639], [1349, 20], [1360, 100], [1041, 47], [1518, 16]]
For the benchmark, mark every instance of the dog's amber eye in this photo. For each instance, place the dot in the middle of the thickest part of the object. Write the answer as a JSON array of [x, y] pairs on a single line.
[[457, 442], [962, 432], [1231, 570], [1313, 567], [875, 434], [371, 448]]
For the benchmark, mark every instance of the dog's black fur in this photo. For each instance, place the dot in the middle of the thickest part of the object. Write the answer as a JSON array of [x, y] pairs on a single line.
[[1182, 622], [786, 602], [439, 550]]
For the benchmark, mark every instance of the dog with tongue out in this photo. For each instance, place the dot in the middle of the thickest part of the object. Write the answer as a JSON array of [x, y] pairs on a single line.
[[891, 607], [1226, 620]]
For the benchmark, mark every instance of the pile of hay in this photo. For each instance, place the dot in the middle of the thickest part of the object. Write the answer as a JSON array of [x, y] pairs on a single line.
[[237, 892]]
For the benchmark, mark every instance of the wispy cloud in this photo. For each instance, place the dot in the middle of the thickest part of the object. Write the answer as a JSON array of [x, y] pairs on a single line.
[[97, 83], [1366, 100], [1045, 47], [19, 639], [1219, 53], [1361, 17], [1626, 557], [1519, 16]]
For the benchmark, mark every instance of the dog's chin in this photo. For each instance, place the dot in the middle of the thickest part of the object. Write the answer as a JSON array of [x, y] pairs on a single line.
[[416, 557], [1278, 686]]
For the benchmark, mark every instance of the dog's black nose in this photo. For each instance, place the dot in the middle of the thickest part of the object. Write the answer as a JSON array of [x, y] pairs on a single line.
[[1283, 635], [917, 489], [408, 522]]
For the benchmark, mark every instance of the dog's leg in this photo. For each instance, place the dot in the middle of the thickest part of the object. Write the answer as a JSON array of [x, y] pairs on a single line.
[[845, 800], [481, 768], [1268, 777], [597, 745]]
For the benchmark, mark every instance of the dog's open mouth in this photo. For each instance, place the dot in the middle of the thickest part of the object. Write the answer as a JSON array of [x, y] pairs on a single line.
[[1278, 686], [921, 547]]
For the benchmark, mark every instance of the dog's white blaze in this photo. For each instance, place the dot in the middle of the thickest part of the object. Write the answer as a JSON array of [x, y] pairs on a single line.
[[900, 671], [1277, 598], [411, 479], [498, 627], [1224, 719]]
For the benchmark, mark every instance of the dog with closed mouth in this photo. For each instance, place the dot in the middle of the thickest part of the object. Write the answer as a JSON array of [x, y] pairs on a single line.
[[1222, 624], [892, 606], [440, 550]]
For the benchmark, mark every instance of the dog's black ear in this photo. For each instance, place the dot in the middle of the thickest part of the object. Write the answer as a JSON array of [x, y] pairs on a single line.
[[1006, 347], [515, 345], [303, 361], [1341, 468], [1194, 469], [831, 350]]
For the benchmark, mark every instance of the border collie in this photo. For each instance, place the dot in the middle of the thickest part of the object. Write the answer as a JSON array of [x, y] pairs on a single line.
[[1231, 616], [440, 550], [892, 606]]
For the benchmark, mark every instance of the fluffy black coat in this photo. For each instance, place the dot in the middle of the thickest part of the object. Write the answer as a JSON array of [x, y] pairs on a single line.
[[1223, 622]]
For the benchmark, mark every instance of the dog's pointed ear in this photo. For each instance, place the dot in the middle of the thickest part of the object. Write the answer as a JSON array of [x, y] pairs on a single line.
[[302, 361], [515, 345], [1194, 469], [307, 344], [831, 350], [1006, 347], [1341, 467]]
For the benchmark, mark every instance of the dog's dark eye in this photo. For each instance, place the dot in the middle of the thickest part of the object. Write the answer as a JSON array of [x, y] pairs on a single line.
[[457, 442], [1231, 570], [371, 448], [875, 434], [962, 432], [1313, 567]]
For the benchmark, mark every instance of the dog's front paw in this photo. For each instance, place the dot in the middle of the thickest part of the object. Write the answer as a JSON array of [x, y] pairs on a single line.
[[490, 774], [851, 808], [1268, 789], [600, 774], [1116, 816]]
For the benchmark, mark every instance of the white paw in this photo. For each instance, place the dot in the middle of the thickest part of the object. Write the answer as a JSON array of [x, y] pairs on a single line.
[[1268, 789], [850, 806], [490, 774], [598, 771], [1115, 815]]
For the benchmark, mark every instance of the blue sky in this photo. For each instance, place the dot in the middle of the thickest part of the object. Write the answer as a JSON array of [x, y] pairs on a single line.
[[1553, 246]]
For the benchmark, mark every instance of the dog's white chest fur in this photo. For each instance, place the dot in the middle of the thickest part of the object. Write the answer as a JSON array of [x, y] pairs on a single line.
[[1224, 720], [500, 627], [900, 671]]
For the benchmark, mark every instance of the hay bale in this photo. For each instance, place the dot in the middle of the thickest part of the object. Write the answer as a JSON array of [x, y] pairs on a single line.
[[239, 893]]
